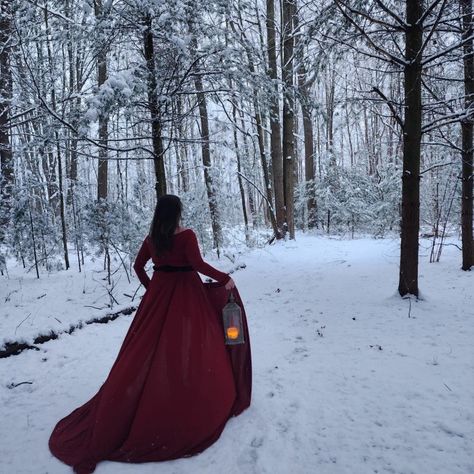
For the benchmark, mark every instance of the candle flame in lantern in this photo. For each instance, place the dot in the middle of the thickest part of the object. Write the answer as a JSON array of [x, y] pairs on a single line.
[[232, 332]]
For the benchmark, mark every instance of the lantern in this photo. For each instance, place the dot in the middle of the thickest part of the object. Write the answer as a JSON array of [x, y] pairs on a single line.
[[232, 318]]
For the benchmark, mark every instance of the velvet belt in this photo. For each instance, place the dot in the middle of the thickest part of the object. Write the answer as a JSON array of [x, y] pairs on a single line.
[[171, 268]]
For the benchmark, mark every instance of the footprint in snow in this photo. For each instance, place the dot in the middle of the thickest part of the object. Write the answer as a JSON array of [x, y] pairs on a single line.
[[257, 442], [282, 426], [298, 354], [293, 408], [247, 461], [300, 350]]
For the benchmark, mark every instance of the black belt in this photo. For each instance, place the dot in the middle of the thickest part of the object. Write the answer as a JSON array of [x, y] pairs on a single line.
[[171, 268]]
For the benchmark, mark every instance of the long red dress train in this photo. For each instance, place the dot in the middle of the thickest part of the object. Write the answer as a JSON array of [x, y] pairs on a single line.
[[174, 383]]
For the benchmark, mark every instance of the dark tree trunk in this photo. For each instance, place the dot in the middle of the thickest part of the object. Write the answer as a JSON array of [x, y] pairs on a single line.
[[275, 142], [467, 140], [309, 168], [102, 171], [330, 105], [304, 95], [62, 208], [6, 157], [408, 282], [157, 139], [181, 153], [71, 168], [288, 115]]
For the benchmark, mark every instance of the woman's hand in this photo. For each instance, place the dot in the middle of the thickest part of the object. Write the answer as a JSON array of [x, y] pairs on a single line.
[[230, 284]]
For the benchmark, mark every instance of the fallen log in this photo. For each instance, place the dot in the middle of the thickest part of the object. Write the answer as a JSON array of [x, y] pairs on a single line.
[[12, 348]]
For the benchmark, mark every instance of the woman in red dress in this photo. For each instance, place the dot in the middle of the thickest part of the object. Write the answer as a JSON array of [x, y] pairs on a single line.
[[174, 383]]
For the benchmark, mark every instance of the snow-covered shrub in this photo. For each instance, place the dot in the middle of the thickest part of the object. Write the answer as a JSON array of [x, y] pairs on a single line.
[[350, 200]]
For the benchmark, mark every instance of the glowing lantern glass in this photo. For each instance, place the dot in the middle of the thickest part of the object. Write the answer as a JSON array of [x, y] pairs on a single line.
[[232, 316]]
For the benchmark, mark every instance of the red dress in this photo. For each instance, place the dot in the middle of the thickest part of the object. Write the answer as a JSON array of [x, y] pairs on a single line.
[[174, 383]]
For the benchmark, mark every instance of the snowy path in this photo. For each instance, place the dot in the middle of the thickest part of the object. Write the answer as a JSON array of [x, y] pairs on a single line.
[[344, 381]]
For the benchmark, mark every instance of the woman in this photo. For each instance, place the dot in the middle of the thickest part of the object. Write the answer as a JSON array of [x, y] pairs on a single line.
[[174, 384]]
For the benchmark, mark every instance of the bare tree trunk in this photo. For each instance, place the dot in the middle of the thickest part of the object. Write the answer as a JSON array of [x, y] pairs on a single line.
[[33, 240], [309, 168], [248, 165], [102, 171], [205, 149], [467, 139], [410, 225], [181, 153], [61, 208], [349, 128], [288, 114], [62, 213], [275, 143], [157, 139], [266, 174], [270, 213], [239, 170], [330, 102], [71, 169], [206, 162], [304, 94], [6, 156]]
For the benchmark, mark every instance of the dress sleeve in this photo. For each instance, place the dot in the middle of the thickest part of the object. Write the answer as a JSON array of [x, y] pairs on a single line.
[[193, 255], [140, 261]]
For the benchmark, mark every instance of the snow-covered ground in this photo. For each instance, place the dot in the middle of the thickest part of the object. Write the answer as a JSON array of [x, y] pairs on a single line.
[[30, 307], [345, 382]]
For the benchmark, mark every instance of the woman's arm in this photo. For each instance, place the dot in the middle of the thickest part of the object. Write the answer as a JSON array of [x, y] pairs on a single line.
[[195, 259], [139, 266]]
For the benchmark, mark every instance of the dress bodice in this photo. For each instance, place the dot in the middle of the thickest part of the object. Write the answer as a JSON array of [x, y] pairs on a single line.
[[184, 251]]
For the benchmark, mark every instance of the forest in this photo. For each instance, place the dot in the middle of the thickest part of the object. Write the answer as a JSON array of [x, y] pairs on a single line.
[[323, 154], [334, 116]]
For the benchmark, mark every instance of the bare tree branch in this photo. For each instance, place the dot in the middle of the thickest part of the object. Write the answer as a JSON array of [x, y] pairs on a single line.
[[367, 37], [390, 104], [428, 11], [459, 44], [51, 12], [387, 10], [433, 28]]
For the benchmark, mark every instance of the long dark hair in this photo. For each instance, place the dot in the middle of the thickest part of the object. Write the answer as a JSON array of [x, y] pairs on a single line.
[[165, 221]]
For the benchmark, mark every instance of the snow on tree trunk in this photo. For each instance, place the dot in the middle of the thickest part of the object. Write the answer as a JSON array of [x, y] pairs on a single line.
[[6, 156], [288, 148], [153, 106], [274, 112]]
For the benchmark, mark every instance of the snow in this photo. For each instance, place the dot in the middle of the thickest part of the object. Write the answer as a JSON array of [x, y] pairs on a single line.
[[59, 300], [345, 382]]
